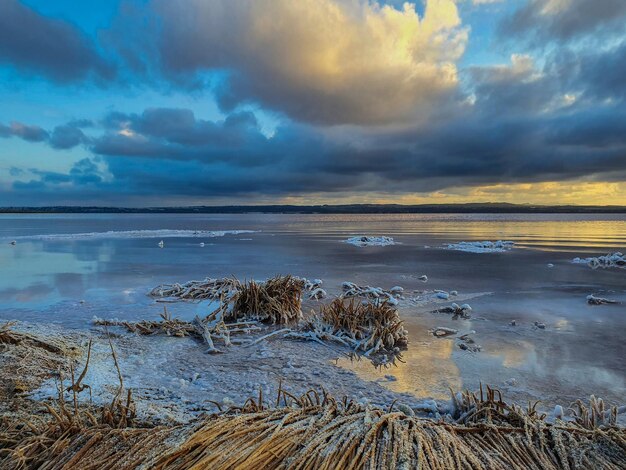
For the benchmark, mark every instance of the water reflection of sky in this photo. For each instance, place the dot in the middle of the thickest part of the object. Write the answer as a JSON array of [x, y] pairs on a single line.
[[69, 281]]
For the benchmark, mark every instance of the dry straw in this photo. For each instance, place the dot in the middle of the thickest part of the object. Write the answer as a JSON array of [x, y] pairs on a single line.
[[317, 431]]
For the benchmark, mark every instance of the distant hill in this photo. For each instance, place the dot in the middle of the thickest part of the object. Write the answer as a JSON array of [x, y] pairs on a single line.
[[501, 208]]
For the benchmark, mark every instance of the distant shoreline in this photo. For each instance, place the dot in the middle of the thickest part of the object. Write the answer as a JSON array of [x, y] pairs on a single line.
[[471, 208]]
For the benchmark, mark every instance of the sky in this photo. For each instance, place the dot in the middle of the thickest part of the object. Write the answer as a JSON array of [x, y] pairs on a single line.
[[213, 102]]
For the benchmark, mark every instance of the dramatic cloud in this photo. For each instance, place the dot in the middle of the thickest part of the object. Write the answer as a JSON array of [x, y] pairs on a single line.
[[562, 20], [319, 61], [176, 133], [31, 42]]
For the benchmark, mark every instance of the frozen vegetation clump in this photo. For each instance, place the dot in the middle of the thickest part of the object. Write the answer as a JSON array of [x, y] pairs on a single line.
[[366, 327], [614, 260], [593, 300], [363, 240], [482, 247], [376, 294]]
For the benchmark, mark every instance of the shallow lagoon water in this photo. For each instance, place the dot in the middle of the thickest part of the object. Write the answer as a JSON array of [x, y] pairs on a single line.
[[68, 280]]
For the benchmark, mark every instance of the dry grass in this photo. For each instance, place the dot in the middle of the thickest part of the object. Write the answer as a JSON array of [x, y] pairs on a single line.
[[277, 301], [317, 431]]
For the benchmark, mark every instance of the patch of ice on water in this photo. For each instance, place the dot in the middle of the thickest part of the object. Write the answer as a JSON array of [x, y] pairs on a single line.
[[363, 240], [612, 260], [162, 233], [499, 246]]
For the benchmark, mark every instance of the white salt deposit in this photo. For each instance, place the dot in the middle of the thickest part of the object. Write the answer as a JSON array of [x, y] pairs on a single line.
[[162, 233], [613, 260], [482, 247], [363, 240]]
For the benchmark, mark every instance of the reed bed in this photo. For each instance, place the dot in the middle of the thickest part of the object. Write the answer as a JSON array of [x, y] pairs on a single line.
[[317, 431], [371, 327]]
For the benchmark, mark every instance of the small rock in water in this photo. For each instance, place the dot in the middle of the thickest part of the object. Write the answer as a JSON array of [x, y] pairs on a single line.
[[443, 295], [511, 382], [540, 325], [13, 242], [442, 331], [396, 290], [453, 292], [513, 323], [423, 278], [391, 378]]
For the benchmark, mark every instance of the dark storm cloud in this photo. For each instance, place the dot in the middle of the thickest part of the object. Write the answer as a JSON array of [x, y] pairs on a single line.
[[31, 42], [541, 20], [176, 133], [603, 74], [301, 160]]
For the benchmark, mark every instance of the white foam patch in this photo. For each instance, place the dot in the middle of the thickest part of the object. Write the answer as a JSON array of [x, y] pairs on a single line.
[[613, 260], [482, 247], [163, 233], [363, 240]]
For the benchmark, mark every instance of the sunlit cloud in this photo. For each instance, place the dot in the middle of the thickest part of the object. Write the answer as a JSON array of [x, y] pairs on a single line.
[[323, 61]]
